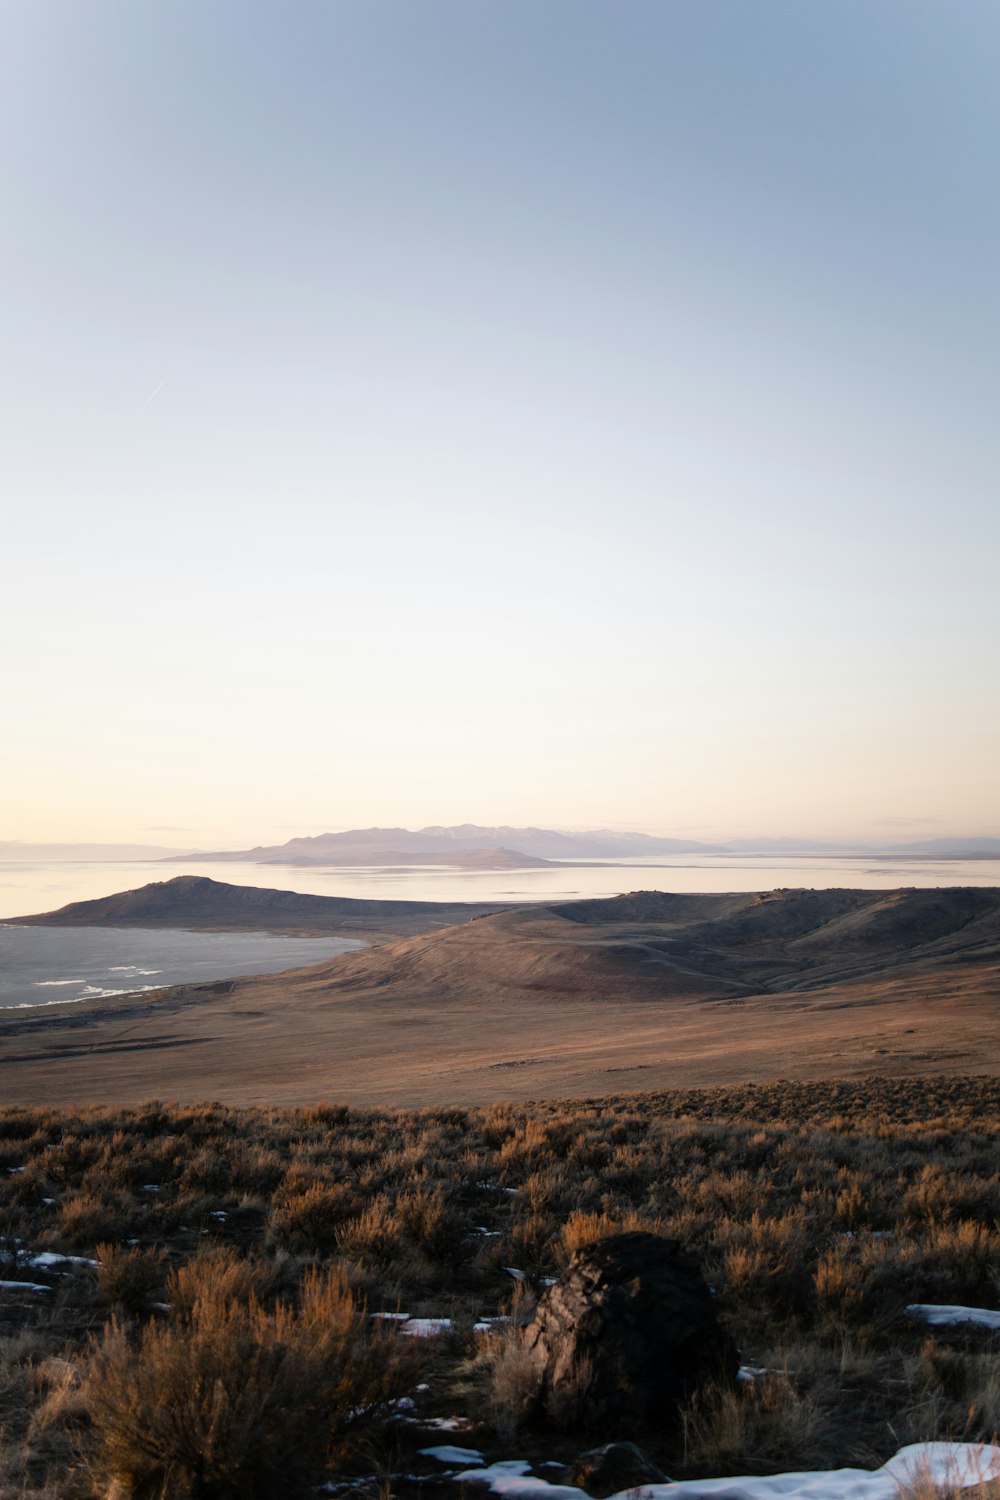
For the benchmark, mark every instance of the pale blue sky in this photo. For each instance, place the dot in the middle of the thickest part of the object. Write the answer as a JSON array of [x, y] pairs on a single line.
[[570, 413]]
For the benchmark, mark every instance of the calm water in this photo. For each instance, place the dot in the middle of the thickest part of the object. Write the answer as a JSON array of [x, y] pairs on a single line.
[[36, 887], [48, 965]]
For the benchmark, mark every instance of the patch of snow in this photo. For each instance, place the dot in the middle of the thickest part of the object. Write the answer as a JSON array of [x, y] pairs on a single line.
[[513, 1477], [446, 1424], [747, 1374], [49, 1259], [941, 1315], [446, 1453], [513, 1271], [489, 1325], [392, 1317], [23, 1286], [955, 1466], [508, 1468], [424, 1328]]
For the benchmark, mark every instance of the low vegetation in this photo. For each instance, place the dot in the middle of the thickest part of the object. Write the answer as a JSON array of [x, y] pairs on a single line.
[[212, 1329]]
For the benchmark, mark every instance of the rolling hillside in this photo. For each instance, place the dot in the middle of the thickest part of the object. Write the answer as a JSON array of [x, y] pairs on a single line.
[[582, 999]]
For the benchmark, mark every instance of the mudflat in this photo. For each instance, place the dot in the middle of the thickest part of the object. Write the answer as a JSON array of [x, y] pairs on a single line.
[[584, 999]]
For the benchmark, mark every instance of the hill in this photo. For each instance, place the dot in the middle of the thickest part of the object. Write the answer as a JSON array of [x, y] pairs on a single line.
[[194, 901], [649, 990], [658, 946]]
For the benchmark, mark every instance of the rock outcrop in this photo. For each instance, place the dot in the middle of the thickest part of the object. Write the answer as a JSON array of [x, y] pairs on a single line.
[[609, 1470], [626, 1335]]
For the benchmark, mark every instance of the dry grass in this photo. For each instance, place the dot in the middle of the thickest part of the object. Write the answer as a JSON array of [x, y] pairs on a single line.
[[761, 1427], [818, 1213], [512, 1381], [232, 1400], [922, 1485]]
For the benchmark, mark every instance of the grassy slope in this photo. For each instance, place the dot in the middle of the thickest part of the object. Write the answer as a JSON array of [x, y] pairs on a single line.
[[577, 1000]]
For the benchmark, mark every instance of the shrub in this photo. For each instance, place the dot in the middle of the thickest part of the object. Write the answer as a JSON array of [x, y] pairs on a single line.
[[763, 1270], [86, 1219], [128, 1277], [582, 1229], [840, 1291], [373, 1237], [427, 1220], [308, 1221], [231, 1401]]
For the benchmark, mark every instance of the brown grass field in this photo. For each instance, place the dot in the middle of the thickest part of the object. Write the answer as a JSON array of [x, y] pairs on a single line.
[[576, 1001]]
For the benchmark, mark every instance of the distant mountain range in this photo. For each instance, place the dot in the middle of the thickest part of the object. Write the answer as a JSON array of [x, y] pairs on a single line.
[[472, 846], [466, 844]]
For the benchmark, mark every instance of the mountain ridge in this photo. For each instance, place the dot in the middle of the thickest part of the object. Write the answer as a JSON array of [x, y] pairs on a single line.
[[437, 841]]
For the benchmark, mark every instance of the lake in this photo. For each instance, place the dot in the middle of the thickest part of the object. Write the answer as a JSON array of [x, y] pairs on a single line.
[[36, 886], [50, 965]]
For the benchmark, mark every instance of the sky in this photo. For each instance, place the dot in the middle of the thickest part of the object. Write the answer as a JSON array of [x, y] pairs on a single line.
[[427, 411]]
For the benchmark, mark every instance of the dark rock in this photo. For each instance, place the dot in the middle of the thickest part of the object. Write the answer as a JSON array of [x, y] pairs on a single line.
[[626, 1335], [611, 1469]]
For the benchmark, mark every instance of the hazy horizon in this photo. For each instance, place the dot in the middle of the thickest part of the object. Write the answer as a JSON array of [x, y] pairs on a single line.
[[568, 415], [893, 838]]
